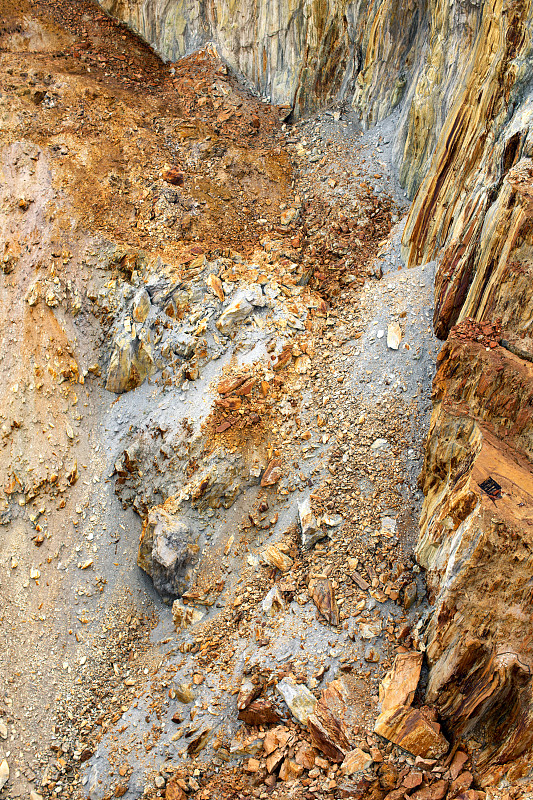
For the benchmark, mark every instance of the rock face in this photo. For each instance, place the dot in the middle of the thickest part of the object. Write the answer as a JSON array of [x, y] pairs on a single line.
[[476, 544], [474, 201], [430, 60], [376, 56]]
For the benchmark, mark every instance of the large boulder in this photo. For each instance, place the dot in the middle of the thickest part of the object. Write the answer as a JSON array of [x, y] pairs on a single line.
[[168, 552]]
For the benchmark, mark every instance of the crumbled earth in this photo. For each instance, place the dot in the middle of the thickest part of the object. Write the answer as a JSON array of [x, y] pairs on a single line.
[[236, 282]]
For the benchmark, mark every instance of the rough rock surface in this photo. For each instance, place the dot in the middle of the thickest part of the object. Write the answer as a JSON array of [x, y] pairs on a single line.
[[237, 287], [476, 543]]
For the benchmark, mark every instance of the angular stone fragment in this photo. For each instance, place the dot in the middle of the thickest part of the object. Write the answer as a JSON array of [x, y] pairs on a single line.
[[305, 756], [236, 312], [173, 791], [332, 520], [310, 529], [272, 473], [272, 555], [322, 594], [302, 364], [371, 654], [141, 306], [409, 729], [459, 760], [197, 744], [356, 761], [232, 382], [288, 216], [300, 700], [412, 780], [399, 685], [360, 581], [248, 692], [394, 336], [327, 723], [183, 616], [131, 362], [437, 791], [184, 693], [167, 552], [174, 176], [215, 284], [273, 601], [370, 630], [276, 739], [290, 771], [260, 712], [4, 773]]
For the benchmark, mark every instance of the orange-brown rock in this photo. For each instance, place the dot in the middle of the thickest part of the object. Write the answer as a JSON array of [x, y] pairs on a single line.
[[173, 791], [409, 729], [476, 545], [259, 712], [399, 685], [228, 385], [174, 176], [356, 760], [436, 791], [322, 594], [290, 770], [327, 724], [272, 473]]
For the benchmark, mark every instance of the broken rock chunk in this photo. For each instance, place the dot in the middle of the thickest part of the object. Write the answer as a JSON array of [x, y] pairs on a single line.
[[199, 742], [260, 712], [167, 552], [131, 362], [173, 791], [408, 728], [273, 556], [356, 761], [311, 530], [273, 602], [4, 773], [394, 336], [141, 306], [327, 726], [290, 771], [300, 700], [272, 473], [236, 312], [248, 692], [305, 756], [322, 594], [183, 616], [215, 284], [399, 685]]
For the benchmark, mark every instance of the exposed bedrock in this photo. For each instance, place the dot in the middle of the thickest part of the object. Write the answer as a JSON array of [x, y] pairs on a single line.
[[477, 547], [472, 211], [305, 54]]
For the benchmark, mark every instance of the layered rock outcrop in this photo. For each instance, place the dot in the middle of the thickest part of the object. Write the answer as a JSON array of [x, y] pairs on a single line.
[[476, 545]]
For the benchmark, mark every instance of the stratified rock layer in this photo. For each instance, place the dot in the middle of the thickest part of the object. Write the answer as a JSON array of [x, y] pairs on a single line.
[[476, 544]]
